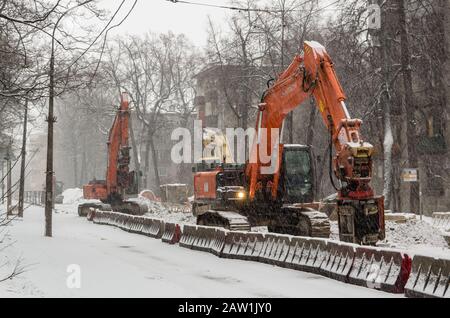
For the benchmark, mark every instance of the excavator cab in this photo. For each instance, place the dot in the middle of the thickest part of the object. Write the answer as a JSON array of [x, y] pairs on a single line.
[[297, 175]]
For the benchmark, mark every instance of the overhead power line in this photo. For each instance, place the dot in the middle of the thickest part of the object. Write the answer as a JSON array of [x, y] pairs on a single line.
[[232, 7], [266, 10]]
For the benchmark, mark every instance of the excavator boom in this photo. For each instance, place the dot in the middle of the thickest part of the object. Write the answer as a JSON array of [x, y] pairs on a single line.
[[313, 75], [275, 188]]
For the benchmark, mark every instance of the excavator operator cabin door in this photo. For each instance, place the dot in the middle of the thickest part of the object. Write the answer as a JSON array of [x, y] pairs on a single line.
[[297, 174]]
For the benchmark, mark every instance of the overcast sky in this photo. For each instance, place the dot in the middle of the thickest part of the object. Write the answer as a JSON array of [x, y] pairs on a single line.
[[162, 16]]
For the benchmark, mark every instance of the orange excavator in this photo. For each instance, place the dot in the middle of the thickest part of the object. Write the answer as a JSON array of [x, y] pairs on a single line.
[[120, 183], [276, 186]]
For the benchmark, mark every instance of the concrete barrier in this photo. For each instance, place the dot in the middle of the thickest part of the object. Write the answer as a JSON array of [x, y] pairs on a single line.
[[218, 243], [429, 278], [306, 254], [138, 224], [99, 217], [91, 214], [188, 237], [338, 261], [385, 270], [122, 221], [172, 233], [243, 245], [112, 218], [377, 268], [275, 249], [442, 220], [203, 238], [156, 229], [146, 225], [127, 221]]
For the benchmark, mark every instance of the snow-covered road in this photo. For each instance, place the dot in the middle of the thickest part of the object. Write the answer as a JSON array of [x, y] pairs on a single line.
[[118, 264]]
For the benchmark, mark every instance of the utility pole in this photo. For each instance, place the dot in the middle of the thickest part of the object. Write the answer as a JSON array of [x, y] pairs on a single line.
[[410, 106], [50, 120], [22, 166], [8, 180], [3, 181]]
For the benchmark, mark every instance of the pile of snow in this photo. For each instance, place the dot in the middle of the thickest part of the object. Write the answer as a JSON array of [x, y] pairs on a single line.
[[413, 232], [72, 196], [408, 235], [158, 210]]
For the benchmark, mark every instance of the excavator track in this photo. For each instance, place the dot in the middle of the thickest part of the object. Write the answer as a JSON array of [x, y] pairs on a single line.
[[127, 207], [130, 207], [302, 222], [84, 208], [232, 221]]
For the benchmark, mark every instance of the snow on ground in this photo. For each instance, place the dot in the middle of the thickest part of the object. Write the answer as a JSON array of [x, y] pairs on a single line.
[[115, 263]]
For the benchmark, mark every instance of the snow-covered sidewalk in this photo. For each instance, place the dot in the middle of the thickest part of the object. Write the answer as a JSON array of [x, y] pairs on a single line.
[[115, 263]]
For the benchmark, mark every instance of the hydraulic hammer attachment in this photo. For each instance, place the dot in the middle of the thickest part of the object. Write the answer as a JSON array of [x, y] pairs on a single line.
[[361, 221]]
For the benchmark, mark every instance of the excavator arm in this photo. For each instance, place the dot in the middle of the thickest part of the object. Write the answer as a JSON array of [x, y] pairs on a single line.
[[313, 75], [117, 174]]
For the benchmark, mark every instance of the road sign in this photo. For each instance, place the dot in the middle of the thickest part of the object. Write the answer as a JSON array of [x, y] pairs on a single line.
[[410, 175]]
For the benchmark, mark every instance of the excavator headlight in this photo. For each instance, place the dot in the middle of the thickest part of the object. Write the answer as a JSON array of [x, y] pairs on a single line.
[[241, 195]]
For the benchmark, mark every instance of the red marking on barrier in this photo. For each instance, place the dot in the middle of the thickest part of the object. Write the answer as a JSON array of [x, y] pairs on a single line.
[[404, 274], [177, 234]]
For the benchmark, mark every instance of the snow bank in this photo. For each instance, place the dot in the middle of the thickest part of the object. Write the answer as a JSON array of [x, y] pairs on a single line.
[[72, 196], [158, 210], [414, 236], [413, 232]]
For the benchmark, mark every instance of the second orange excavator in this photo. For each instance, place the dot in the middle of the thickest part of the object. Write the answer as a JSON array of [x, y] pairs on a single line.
[[120, 185], [278, 192]]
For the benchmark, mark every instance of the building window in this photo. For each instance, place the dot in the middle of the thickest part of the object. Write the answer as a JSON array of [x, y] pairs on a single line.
[[435, 183], [163, 171], [434, 126]]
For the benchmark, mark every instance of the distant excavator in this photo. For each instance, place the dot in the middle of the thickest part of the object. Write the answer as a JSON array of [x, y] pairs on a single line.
[[120, 184], [280, 192]]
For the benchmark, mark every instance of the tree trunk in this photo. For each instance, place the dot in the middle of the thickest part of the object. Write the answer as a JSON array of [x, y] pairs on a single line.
[[8, 182], [3, 182], [155, 165], [388, 139], [324, 167], [84, 165], [410, 106], [75, 164], [397, 183], [147, 163], [22, 164], [311, 124]]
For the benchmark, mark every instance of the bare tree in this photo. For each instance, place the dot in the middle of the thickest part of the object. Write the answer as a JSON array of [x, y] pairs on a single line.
[[157, 72]]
